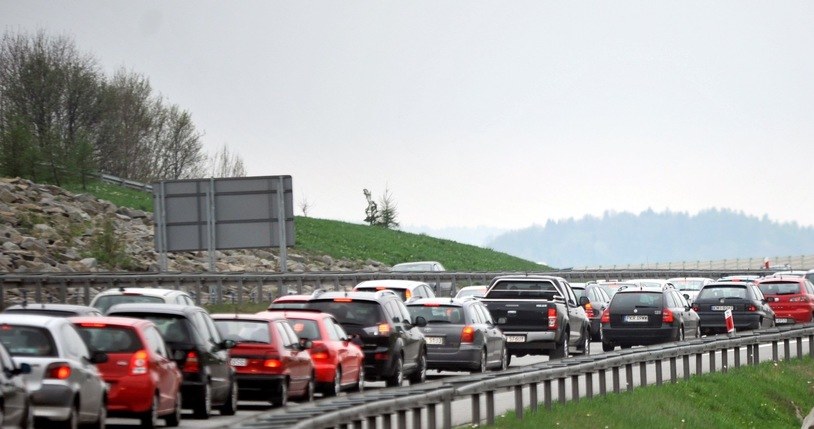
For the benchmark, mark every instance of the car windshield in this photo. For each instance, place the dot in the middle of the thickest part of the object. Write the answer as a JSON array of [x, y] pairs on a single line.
[[717, 292], [352, 312], [578, 292], [104, 302], [252, 331], [109, 339], [305, 328], [510, 289], [780, 288], [687, 284], [402, 293], [437, 313], [27, 341], [174, 328], [470, 292], [637, 300], [288, 304]]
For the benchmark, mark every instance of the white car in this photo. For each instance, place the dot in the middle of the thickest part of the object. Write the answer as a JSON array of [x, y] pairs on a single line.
[[477, 291], [406, 289], [439, 288], [66, 387], [690, 286], [125, 295]]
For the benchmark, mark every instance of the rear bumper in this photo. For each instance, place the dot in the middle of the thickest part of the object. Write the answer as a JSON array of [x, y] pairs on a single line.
[[130, 395], [639, 336], [797, 315], [537, 342], [258, 387], [463, 358], [52, 401], [714, 323]]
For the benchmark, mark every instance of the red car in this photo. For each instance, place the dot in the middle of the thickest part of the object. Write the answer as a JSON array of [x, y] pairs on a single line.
[[791, 298], [144, 381], [271, 362], [338, 362]]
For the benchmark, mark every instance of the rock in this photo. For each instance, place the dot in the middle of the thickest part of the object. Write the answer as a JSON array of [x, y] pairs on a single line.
[[89, 263], [8, 246]]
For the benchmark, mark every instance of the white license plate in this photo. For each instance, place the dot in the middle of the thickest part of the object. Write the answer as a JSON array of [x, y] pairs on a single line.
[[635, 318], [237, 362], [435, 341], [783, 320], [515, 339], [722, 307]]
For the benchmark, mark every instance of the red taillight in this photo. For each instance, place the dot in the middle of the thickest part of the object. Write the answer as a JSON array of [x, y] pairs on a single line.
[[191, 364], [138, 363], [92, 325], [432, 305], [589, 309], [384, 329], [605, 316], [319, 352], [695, 307], [408, 294], [343, 300], [468, 334], [751, 308], [667, 316], [272, 363], [552, 318], [58, 370], [381, 356]]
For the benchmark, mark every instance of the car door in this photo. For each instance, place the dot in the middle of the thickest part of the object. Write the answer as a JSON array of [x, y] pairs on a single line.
[[217, 358], [13, 390], [165, 367], [338, 337], [89, 377], [412, 337], [298, 360], [578, 320]]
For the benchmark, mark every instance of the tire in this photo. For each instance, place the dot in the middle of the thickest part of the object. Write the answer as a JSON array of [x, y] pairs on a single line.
[[561, 349], [482, 367], [174, 419], [360, 379], [280, 396], [681, 334], [229, 408], [203, 408], [607, 347], [310, 388], [334, 388], [149, 419], [586, 342], [101, 419], [504, 359], [697, 332], [397, 378], [72, 422], [420, 374]]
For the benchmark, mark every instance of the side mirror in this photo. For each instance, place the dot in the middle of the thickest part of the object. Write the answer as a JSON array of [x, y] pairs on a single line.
[[23, 368], [98, 357], [305, 343], [178, 355], [227, 344], [583, 300], [501, 320], [686, 296], [420, 321]]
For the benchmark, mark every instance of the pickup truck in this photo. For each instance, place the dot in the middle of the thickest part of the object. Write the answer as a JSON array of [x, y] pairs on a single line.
[[540, 315]]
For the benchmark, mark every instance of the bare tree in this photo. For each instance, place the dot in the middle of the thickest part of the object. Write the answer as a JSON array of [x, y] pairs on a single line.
[[176, 148], [372, 210], [305, 206], [226, 164]]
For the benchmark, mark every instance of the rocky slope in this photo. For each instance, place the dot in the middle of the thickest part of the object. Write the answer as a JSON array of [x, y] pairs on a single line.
[[45, 228]]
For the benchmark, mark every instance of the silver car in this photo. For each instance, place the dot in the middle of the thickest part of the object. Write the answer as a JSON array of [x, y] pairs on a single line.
[[66, 387]]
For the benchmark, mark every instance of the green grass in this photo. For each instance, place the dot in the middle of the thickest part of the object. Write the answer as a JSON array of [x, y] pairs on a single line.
[[770, 395], [343, 240]]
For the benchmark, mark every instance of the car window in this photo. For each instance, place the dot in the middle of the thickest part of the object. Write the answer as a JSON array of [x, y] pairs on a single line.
[[110, 339], [352, 312], [104, 302], [780, 288], [5, 359], [392, 309], [809, 287], [333, 330], [244, 330], [27, 341], [75, 346], [340, 331], [670, 300], [281, 332], [290, 332], [487, 317], [305, 328], [155, 342], [634, 300], [756, 292], [724, 291]]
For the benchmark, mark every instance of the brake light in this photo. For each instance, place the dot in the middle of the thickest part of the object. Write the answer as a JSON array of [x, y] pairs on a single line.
[[605, 316], [695, 307], [751, 307], [408, 294], [138, 363], [552, 318], [272, 363], [667, 316], [343, 300], [432, 305], [191, 364], [320, 352], [58, 370], [381, 356], [384, 329], [92, 325], [468, 334], [589, 309]]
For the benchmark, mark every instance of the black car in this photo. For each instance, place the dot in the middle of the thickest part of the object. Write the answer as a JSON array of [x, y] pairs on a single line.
[[642, 315], [598, 301], [53, 309], [198, 350], [460, 335], [750, 309], [393, 345]]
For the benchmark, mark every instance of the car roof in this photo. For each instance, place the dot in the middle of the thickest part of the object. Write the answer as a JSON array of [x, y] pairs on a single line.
[[151, 291], [53, 306], [408, 264], [298, 313], [32, 320], [440, 301], [252, 317], [157, 308], [530, 278], [390, 283], [365, 296]]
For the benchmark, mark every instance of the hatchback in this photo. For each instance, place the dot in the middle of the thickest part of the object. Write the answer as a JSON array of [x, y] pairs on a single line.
[[339, 364], [209, 381], [641, 315], [270, 361], [65, 385], [689, 287], [791, 298], [750, 309], [460, 335], [106, 299], [143, 380], [17, 410], [477, 291], [53, 309]]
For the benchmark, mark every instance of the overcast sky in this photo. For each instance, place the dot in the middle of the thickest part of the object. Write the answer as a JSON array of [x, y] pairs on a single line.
[[502, 114]]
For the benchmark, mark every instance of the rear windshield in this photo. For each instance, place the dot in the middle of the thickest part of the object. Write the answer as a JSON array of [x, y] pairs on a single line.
[[252, 331], [288, 304], [722, 292], [360, 313], [437, 313], [174, 328], [109, 339], [509, 290], [412, 267], [637, 300], [611, 288], [27, 341], [780, 288], [305, 328], [104, 302], [402, 293]]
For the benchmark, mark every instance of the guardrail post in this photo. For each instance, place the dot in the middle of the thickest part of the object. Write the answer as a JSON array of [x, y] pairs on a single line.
[[615, 376], [198, 288], [476, 409], [589, 385], [63, 291], [431, 423], [533, 397], [518, 402], [547, 393], [659, 375], [575, 388], [712, 364], [561, 390], [673, 370], [401, 418], [786, 349], [240, 291], [417, 418], [685, 359], [447, 423], [87, 292], [371, 422], [490, 408], [756, 354], [775, 354], [387, 421], [737, 357], [799, 347], [38, 295], [811, 344], [629, 376], [602, 382], [724, 359], [643, 373]]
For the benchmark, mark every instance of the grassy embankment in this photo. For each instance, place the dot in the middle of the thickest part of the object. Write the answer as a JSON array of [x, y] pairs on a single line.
[[770, 395]]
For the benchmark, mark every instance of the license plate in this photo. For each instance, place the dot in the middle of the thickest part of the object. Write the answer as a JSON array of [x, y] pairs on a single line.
[[237, 362], [635, 318], [722, 307], [435, 341], [515, 339], [781, 321]]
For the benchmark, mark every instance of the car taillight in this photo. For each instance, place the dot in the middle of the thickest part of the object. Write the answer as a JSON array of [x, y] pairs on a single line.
[[605, 316], [799, 299], [58, 370], [138, 363], [667, 316], [320, 352], [384, 328], [468, 334], [552, 318], [589, 309], [191, 364], [407, 294], [751, 307], [272, 363], [695, 307]]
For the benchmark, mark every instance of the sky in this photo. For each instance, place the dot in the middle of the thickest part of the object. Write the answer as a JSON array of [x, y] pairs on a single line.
[[481, 113]]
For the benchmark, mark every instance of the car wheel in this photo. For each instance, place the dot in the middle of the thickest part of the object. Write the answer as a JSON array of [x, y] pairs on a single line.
[[72, 422], [174, 419], [561, 349], [697, 332], [280, 396], [360, 379], [586, 342], [681, 335], [229, 408], [482, 367], [310, 388], [607, 347], [504, 359], [149, 419], [397, 378], [420, 374], [203, 408], [336, 386]]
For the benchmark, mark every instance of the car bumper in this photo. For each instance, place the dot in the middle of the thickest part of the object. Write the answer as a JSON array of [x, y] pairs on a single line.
[[378, 369], [713, 322], [536, 343], [324, 372], [788, 316], [53, 402], [258, 387], [639, 336], [130, 395], [465, 357]]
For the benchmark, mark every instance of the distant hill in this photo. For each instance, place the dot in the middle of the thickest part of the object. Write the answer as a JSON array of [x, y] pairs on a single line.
[[627, 238]]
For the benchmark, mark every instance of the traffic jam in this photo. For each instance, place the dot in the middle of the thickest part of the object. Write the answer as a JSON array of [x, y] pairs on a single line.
[[152, 356]]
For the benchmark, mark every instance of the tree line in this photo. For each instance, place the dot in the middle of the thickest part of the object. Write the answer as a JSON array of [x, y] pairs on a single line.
[[62, 120]]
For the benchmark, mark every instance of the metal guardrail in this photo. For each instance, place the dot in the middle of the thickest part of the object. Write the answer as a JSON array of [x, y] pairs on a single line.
[[132, 184], [240, 287], [423, 401], [776, 263]]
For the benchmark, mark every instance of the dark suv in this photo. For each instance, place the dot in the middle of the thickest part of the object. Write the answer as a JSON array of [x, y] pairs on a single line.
[[198, 350], [394, 347], [642, 315]]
